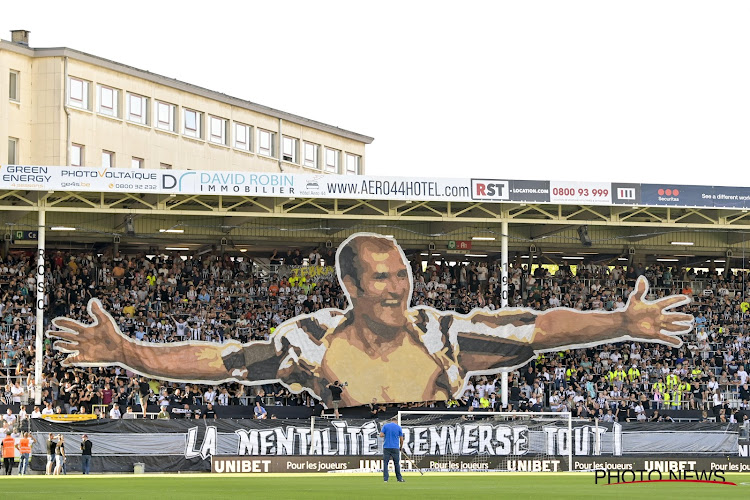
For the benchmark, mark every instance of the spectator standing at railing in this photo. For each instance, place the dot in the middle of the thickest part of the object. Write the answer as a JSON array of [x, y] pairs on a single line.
[[482, 277], [209, 414], [143, 390], [10, 418], [86, 447], [744, 396], [48, 410], [223, 397], [163, 413], [210, 395]]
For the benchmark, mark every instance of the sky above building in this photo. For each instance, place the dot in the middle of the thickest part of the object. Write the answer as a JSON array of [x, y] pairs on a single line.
[[636, 91]]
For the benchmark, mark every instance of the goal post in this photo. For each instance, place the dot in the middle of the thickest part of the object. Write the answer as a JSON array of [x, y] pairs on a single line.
[[487, 441]]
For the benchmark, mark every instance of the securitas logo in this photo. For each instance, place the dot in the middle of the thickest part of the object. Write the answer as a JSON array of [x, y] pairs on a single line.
[[668, 194], [612, 477], [490, 190]]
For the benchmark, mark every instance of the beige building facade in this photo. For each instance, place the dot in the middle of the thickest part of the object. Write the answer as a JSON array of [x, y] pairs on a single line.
[[60, 106]]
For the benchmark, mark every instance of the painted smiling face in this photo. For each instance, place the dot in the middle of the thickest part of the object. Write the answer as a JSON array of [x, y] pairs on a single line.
[[384, 288]]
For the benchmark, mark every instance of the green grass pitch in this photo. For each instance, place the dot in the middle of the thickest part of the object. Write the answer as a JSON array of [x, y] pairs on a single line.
[[357, 486]]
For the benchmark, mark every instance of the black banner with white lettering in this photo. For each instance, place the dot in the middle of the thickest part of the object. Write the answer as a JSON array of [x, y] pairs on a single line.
[[174, 445]]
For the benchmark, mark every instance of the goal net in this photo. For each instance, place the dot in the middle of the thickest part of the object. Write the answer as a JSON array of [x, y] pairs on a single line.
[[487, 441]]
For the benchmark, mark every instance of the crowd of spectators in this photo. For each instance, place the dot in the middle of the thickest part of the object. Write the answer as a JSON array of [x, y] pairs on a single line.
[[167, 298]]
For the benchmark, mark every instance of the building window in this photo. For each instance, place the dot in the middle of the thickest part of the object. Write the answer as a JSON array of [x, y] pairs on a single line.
[[289, 149], [76, 155], [192, 126], [13, 91], [242, 135], [332, 161], [138, 109], [165, 166], [218, 130], [78, 93], [136, 162], [311, 155], [108, 100], [108, 159], [352, 164], [166, 116], [12, 151], [265, 142]]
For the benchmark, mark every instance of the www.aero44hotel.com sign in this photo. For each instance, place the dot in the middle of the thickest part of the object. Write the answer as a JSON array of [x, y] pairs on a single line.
[[262, 184]]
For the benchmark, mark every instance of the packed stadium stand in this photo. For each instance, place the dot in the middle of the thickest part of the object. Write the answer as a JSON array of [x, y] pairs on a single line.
[[213, 297]]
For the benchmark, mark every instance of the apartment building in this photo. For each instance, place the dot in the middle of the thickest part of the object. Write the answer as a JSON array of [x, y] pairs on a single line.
[[61, 106]]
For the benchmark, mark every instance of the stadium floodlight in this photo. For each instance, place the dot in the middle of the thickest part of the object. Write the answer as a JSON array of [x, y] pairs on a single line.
[[537, 425]]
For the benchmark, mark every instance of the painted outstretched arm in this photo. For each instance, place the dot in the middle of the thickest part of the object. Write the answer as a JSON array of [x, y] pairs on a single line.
[[510, 336], [640, 320], [102, 344]]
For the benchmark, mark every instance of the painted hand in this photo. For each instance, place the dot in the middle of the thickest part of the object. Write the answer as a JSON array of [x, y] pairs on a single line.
[[651, 321], [98, 343]]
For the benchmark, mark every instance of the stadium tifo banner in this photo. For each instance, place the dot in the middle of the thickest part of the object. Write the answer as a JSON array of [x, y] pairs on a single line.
[[379, 347], [174, 445], [259, 184]]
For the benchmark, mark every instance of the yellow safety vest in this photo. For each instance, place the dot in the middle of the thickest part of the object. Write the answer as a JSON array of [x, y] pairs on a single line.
[[677, 398]]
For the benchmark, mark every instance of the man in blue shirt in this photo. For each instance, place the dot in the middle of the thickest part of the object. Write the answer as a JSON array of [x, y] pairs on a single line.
[[394, 440]]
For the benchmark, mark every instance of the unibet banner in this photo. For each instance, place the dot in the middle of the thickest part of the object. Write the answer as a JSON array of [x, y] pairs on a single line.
[[681, 466]]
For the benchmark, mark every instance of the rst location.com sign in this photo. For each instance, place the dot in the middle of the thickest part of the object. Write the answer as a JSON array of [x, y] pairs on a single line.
[[263, 184]]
